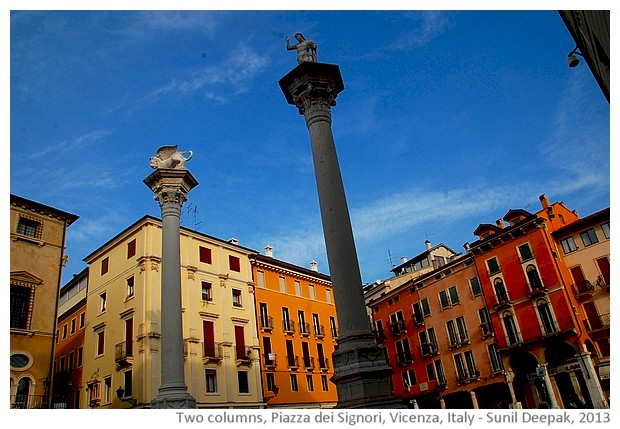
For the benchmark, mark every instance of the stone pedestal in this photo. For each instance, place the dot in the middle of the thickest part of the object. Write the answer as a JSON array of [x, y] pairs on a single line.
[[171, 187], [361, 373]]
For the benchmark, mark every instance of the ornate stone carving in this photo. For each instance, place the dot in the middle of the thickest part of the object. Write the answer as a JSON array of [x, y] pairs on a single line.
[[306, 49], [169, 157]]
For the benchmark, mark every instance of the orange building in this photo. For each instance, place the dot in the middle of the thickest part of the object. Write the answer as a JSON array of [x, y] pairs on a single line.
[[297, 328], [69, 351]]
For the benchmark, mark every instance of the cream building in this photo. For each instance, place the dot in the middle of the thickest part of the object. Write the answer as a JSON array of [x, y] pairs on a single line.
[[123, 327]]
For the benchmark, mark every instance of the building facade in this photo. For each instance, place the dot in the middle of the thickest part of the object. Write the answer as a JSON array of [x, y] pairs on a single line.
[[122, 340], [438, 337], [69, 350], [585, 249], [298, 332], [540, 335], [37, 244]]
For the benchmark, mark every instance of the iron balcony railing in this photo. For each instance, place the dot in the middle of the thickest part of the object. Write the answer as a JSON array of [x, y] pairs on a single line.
[[288, 326], [324, 364], [269, 359], [304, 329], [292, 361], [319, 331], [308, 363], [29, 401], [404, 358], [212, 351], [123, 352], [266, 323]]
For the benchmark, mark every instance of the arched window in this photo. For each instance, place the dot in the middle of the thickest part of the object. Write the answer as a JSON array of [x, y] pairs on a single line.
[[533, 277], [22, 393], [500, 290], [546, 317], [510, 326]]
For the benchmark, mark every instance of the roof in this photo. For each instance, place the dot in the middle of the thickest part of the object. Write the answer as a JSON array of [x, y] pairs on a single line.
[[70, 218], [594, 217], [287, 265], [422, 256]]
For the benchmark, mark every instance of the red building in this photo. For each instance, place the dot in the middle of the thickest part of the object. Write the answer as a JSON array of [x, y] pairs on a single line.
[[539, 332]]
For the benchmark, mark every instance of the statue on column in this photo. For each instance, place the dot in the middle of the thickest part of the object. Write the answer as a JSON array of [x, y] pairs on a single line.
[[169, 157], [306, 49]]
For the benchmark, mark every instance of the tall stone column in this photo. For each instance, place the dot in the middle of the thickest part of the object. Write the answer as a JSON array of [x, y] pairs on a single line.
[[171, 186], [361, 373], [592, 382]]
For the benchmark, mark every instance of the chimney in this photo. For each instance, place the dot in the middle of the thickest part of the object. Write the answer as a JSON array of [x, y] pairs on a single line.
[[428, 245], [403, 260], [466, 246], [544, 201], [233, 241], [500, 223], [269, 251], [314, 266]]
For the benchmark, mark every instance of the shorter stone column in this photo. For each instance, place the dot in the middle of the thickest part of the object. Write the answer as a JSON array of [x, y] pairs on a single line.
[[553, 402], [474, 399]]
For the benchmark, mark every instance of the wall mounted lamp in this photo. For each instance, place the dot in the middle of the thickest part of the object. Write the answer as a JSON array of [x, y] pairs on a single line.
[[119, 394], [572, 60]]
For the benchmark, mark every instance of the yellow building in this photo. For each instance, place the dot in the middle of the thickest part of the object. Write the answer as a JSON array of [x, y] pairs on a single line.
[[298, 330], [122, 343], [37, 257]]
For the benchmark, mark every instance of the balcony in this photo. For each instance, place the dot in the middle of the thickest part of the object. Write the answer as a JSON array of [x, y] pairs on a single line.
[[243, 356], [468, 377], [583, 289], [123, 354], [292, 362], [599, 323], [304, 329], [319, 332], [537, 290], [602, 283], [404, 358], [288, 326], [501, 301], [324, 364], [308, 363], [455, 343], [398, 328], [379, 335], [428, 349], [212, 352], [418, 319], [266, 323], [335, 332], [29, 401], [269, 360]]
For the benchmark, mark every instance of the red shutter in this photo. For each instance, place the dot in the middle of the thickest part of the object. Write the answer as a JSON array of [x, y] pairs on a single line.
[[580, 281], [205, 255], [240, 342], [209, 338], [603, 266]]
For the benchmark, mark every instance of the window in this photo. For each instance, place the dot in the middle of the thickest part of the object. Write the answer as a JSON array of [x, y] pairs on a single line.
[[324, 383], [131, 248], [102, 302], [409, 379], [130, 288], [211, 380], [57, 336], [28, 227], [430, 372], [403, 352], [510, 327], [474, 284], [79, 357], [444, 301], [309, 383], [533, 278], [303, 327], [589, 237], [332, 325], [204, 255], [297, 288], [426, 309], [206, 291], [312, 292], [282, 282], [21, 307], [242, 353], [525, 253], [82, 320], [319, 331], [485, 321], [105, 265], [328, 295], [496, 362], [271, 382], [265, 320], [128, 377], [440, 261], [208, 335], [605, 228], [64, 331], [465, 366], [243, 382], [260, 279], [500, 290], [454, 295], [418, 318], [286, 321], [100, 343], [441, 376], [493, 265], [107, 390], [294, 386], [546, 317], [72, 326], [236, 298], [568, 245], [234, 263]]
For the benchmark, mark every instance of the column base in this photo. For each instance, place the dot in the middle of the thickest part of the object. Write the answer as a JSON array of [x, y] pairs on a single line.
[[362, 374], [173, 398]]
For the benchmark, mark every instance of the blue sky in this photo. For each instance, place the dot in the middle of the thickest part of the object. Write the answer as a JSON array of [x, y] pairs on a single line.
[[448, 119]]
